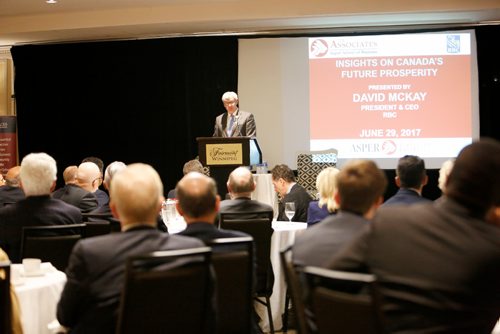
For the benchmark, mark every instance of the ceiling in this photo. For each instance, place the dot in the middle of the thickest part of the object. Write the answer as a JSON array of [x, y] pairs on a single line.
[[35, 21]]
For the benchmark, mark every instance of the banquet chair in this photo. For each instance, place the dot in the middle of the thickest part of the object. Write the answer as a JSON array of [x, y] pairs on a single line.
[[294, 292], [96, 228], [233, 262], [261, 231], [344, 302], [310, 164], [52, 243], [168, 292], [5, 308]]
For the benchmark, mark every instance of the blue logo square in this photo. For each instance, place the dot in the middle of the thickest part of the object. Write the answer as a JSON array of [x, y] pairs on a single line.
[[453, 43]]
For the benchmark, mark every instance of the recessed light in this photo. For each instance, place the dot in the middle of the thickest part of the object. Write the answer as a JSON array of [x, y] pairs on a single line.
[[51, 1]]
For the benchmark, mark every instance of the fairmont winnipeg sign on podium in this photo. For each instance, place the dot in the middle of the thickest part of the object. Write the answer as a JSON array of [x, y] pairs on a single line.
[[224, 154]]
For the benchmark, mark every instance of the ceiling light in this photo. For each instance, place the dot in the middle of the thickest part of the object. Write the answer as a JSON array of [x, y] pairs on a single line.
[[51, 1]]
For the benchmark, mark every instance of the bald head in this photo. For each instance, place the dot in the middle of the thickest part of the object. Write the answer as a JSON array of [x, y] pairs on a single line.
[[136, 195], [12, 177], [89, 176], [69, 174], [197, 197], [240, 183]]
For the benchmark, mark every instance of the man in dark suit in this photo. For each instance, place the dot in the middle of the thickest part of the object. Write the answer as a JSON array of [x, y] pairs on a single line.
[[198, 203], [437, 262], [410, 178], [285, 185], [241, 185], [11, 192], [38, 178], [234, 122], [101, 196], [111, 170], [360, 191], [90, 299], [79, 193]]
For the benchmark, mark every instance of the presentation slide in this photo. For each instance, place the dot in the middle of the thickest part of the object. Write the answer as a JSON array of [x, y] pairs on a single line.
[[384, 96]]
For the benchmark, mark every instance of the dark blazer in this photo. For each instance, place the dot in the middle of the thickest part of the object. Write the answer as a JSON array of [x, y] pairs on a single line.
[[315, 214], [102, 197], [244, 125], [206, 232], [32, 211], [406, 196], [437, 266], [244, 205], [90, 299], [79, 197], [9, 195], [301, 198], [316, 245]]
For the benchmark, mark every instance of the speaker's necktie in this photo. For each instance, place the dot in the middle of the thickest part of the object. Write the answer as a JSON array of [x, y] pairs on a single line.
[[230, 126]]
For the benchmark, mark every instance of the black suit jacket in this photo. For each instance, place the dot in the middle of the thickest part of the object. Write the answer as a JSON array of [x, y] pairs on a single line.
[[9, 195], [79, 197], [244, 125], [90, 299], [405, 196], [437, 266], [301, 198], [317, 245], [32, 211], [244, 205], [206, 232]]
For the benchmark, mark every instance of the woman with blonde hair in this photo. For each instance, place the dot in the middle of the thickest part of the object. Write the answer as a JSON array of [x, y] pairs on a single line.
[[326, 184]]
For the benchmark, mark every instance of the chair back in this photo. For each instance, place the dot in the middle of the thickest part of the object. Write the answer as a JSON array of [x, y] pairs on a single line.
[[5, 302], [233, 262], [96, 228], [261, 231], [310, 164], [294, 290], [168, 292], [52, 243], [344, 302]]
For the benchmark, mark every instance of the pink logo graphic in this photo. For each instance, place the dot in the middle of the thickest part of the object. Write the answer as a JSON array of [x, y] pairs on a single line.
[[319, 48], [389, 147]]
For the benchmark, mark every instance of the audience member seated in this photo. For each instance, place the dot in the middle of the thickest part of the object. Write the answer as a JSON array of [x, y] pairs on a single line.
[[444, 172], [437, 263], [326, 205], [111, 170], [90, 299], [190, 166], [102, 196], [38, 178], [80, 193], [69, 176], [11, 192], [360, 191], [241, 185], [411, 179], [198, 203], [290, 191], [16, 326]]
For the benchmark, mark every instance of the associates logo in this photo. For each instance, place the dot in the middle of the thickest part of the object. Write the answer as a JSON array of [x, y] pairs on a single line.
[[389, 147], [319, 48]]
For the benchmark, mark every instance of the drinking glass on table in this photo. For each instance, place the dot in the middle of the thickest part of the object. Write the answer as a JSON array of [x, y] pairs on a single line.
[[290, 210]]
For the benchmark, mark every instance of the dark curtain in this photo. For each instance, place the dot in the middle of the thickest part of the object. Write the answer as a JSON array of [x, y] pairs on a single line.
[[133, 101]]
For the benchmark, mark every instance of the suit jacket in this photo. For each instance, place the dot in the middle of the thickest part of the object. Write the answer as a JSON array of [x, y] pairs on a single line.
[[317, 245], [315, 214], [102, 197], [206, 232], [9, 195], [301, 198], [32, 211], [406, 196], [437, 266], [244, 205], [95, 273], [244, 125], [79, 197]]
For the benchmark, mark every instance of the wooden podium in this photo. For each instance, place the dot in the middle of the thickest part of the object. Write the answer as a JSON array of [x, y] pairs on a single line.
[[223, 155]]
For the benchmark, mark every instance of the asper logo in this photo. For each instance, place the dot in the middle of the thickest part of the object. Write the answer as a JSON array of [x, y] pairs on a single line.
[[389, 147], [319, 48]]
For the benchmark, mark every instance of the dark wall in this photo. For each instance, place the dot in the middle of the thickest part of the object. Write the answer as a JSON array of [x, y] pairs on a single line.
[[134, 101]]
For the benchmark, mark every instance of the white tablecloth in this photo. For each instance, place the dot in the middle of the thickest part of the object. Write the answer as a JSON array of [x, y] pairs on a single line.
[[283, 236], [38, 297], [264, 191]]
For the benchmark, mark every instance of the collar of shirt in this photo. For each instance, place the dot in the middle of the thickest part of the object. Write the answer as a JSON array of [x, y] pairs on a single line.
[[290, 187]]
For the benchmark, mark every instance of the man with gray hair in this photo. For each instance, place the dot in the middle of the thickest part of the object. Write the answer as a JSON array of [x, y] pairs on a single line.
[[38, 178], [111, 170], [11, 192], [190, 166], [96, 270], [241, 185], [234, 122]]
